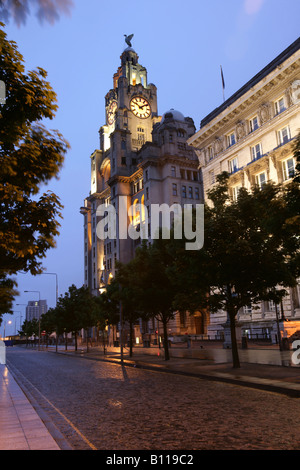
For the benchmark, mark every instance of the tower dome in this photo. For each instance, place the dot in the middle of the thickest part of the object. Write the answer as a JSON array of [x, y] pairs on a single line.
[[172, 114]]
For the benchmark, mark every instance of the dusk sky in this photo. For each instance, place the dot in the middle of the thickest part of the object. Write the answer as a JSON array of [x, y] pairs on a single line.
[[182, 45]]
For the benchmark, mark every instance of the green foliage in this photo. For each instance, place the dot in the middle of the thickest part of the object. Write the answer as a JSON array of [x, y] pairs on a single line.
[[30, 156], [250, 247], [19, 10]]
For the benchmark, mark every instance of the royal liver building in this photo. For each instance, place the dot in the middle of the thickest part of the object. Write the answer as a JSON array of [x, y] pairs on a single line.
[[143, 159]]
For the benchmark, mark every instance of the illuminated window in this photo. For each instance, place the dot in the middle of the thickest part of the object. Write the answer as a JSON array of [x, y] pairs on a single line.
[[279, 105], [284, 135], [253, 124], [260, 179], [136, 212], [235, 192], [210, 153], [288, 168], [256, 151], [247, 309], [233, 165], [231, 139]]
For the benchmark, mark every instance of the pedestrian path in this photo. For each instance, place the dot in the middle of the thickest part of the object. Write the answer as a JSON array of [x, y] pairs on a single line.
[[21, 428]]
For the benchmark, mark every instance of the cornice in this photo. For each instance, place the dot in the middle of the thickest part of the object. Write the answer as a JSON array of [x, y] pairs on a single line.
[[259, 94]]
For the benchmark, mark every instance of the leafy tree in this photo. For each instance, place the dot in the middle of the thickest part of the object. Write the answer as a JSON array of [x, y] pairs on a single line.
[[47, 10], [29, 328], [76, 310], [297, 156], [49, 322], [30, 156], [7, 294], [126, 290], [249, 248], [155, 289]]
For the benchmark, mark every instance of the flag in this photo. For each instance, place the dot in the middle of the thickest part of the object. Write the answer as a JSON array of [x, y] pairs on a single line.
[[222, 76]]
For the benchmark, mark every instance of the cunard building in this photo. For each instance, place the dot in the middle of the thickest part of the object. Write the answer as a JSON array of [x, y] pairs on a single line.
[[251, 136]]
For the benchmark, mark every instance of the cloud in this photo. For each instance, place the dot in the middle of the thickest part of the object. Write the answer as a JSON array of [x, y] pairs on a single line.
[[253, 6]]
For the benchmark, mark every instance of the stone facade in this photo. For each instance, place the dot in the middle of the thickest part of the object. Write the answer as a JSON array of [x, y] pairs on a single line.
[[143, 160], [251, 136]]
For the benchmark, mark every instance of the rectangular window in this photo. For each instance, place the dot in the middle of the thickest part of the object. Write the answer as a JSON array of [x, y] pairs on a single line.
[[233, 165], [284, 135], [256, 151], [271, 306], [235, 192], [260, 179], [190, 192], [212, 177], [210, 153], [173, 171], [174, 186], [288, 168], [247, 309], [197, 193], [253, 124], [231, 139], [279, 105], [184, 191]]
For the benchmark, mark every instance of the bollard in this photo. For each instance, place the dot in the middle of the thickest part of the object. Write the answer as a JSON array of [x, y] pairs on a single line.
[[2, 352]]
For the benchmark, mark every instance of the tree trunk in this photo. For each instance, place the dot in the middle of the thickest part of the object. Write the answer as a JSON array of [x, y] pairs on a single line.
[[166, 344], [234, 348], [75, 340], [130, 338]]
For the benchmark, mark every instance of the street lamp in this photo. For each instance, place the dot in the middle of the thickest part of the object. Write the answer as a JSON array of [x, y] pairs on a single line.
[[20, 316], [37, 291], [9, 323], [56, 287]]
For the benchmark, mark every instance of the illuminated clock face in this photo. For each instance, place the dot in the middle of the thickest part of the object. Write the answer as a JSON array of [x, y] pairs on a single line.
[[111, 112], [140, 107]]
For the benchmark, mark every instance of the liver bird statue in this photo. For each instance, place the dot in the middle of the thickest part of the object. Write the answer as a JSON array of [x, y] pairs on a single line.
[[128, 39]]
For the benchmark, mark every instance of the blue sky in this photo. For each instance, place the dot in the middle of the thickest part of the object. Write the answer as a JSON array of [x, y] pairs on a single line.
[[182, 45]]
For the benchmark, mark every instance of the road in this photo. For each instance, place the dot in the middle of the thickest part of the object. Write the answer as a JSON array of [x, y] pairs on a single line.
[[104, 406]]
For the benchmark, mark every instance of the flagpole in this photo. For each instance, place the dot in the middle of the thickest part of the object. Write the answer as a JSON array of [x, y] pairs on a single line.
[[223, 83]]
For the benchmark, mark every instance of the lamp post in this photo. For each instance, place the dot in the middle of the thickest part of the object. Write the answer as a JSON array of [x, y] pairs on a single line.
[[9, 323], [20, 316], [56, 287], [37, 291], [25, 305]]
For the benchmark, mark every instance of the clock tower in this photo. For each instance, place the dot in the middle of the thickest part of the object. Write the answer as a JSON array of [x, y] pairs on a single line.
[[130, 114], [143, 161], [131, 111]]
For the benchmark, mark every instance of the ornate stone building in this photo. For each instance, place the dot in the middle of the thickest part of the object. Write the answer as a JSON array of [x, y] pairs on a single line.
[[143, 160], [251, 135]]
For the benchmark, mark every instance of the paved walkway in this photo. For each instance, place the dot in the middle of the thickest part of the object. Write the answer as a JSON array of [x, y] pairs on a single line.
[[21, 427]]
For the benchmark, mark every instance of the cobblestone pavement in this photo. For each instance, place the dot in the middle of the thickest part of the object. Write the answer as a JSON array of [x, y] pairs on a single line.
[[98, 405]]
